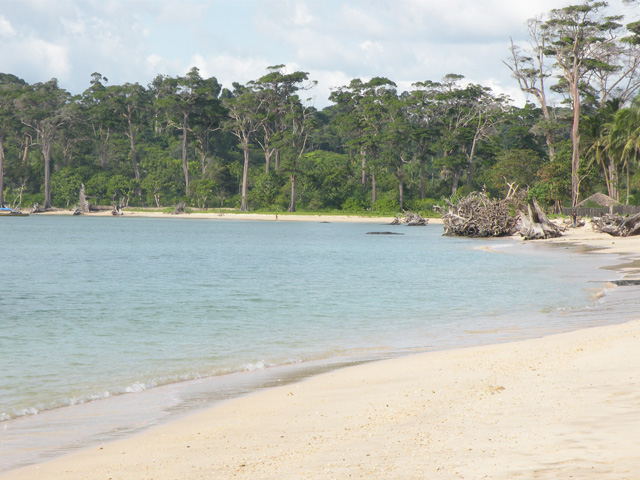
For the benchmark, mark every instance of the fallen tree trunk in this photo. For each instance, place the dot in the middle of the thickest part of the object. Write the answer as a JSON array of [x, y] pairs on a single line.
[[411, 219], [618, 226], [536, 225], [480, 216]]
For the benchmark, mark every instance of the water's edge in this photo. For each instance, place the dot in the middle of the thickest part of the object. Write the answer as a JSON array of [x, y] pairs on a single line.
[[108, 419]]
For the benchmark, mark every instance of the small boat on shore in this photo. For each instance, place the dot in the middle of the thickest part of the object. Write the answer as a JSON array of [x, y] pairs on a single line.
[[8, 212]]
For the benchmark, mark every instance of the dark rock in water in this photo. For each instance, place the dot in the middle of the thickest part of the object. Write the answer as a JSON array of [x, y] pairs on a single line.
[[384, 233], [626, 283]]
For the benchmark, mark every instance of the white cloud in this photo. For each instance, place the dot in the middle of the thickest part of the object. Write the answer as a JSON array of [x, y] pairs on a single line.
[[336, 41], [301, 15], [360, 21], [6, 30], [228, 68], [75, 27]]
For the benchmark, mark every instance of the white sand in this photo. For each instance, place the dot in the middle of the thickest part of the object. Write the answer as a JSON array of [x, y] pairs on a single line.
[[564, 406], [225, 215]]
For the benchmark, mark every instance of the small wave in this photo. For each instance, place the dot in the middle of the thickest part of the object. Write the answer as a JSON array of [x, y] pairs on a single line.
[[252, 367], [138, 387]]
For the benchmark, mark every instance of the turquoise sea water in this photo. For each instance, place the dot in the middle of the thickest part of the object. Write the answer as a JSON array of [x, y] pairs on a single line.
[[128, 320]]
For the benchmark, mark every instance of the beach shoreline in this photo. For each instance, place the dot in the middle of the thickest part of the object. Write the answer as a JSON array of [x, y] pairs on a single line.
[[232, 215], [552, 407]]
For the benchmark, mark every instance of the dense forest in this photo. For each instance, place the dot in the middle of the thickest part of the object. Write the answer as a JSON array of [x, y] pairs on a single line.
[[262, 146]]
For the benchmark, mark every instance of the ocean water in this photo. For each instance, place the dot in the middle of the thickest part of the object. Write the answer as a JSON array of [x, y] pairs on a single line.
[[108, 325]]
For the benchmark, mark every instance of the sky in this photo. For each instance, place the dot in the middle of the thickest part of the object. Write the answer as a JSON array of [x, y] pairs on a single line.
[[236, 40]]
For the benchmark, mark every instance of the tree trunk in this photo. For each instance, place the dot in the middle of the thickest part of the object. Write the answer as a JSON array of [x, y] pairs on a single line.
[[46, 153], [132, 145], [575, 143], [628, 185], [423, 173], [373, 189], [454, 182], [267, 159], [292, 202], [1, 170], [103, 146], [364, 167], [549, 134], [26, 150], [245, 176], [614, 181], [203, 162], [400, 175], [202, 138], [185, 165]]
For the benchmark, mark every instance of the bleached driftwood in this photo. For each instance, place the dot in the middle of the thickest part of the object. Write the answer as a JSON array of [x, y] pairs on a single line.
[[477, 215], [411, 219], [618, 226], [536, 225]]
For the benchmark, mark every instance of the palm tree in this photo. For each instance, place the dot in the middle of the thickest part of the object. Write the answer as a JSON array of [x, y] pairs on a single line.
[[625, 136], [602, 147]]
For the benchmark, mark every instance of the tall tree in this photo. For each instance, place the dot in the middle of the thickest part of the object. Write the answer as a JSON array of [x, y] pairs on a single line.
[[185, 101], [245, 119], [275, 89], [424, 122], [603, 146], [293, 139], [208, 118], [99, 114], [468, 115], [364, 115], [624, 137], [578, 38], [531, 69], [44, 107], [132, 104], [10, 87]]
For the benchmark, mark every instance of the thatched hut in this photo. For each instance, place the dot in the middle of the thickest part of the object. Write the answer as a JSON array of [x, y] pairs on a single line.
[[601, 199]]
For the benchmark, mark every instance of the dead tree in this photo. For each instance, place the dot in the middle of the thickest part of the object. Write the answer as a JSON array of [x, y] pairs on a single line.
[[477, 215], [179, 208], [536, 225], [117, 210], [411, 219], [618, 226]]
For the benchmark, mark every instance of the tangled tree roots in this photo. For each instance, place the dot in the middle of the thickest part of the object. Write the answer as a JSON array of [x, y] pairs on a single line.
[[179, 208], [618, 226], [477, 215], [536, 225], [480, 216], [411, 219]]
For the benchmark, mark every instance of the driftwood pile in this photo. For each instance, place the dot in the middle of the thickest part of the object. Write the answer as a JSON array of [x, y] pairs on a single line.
[[83, 205], [179, 208], [411, 219], [477, 215], [117, 210], [617, 226]]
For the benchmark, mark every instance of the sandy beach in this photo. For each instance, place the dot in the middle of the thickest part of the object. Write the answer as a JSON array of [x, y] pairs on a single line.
[[227, 215], [563, 406]]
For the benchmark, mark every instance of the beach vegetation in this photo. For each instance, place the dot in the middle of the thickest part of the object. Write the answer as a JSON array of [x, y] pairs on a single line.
[[263, 146]]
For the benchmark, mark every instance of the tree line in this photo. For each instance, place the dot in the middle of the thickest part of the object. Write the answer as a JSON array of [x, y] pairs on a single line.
[[263, 146]]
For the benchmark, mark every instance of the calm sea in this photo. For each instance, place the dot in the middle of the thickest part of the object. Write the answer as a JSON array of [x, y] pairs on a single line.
[[108, 325]]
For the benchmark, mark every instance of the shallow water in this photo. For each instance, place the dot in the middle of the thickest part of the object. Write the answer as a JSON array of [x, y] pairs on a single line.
[[109, 308]]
